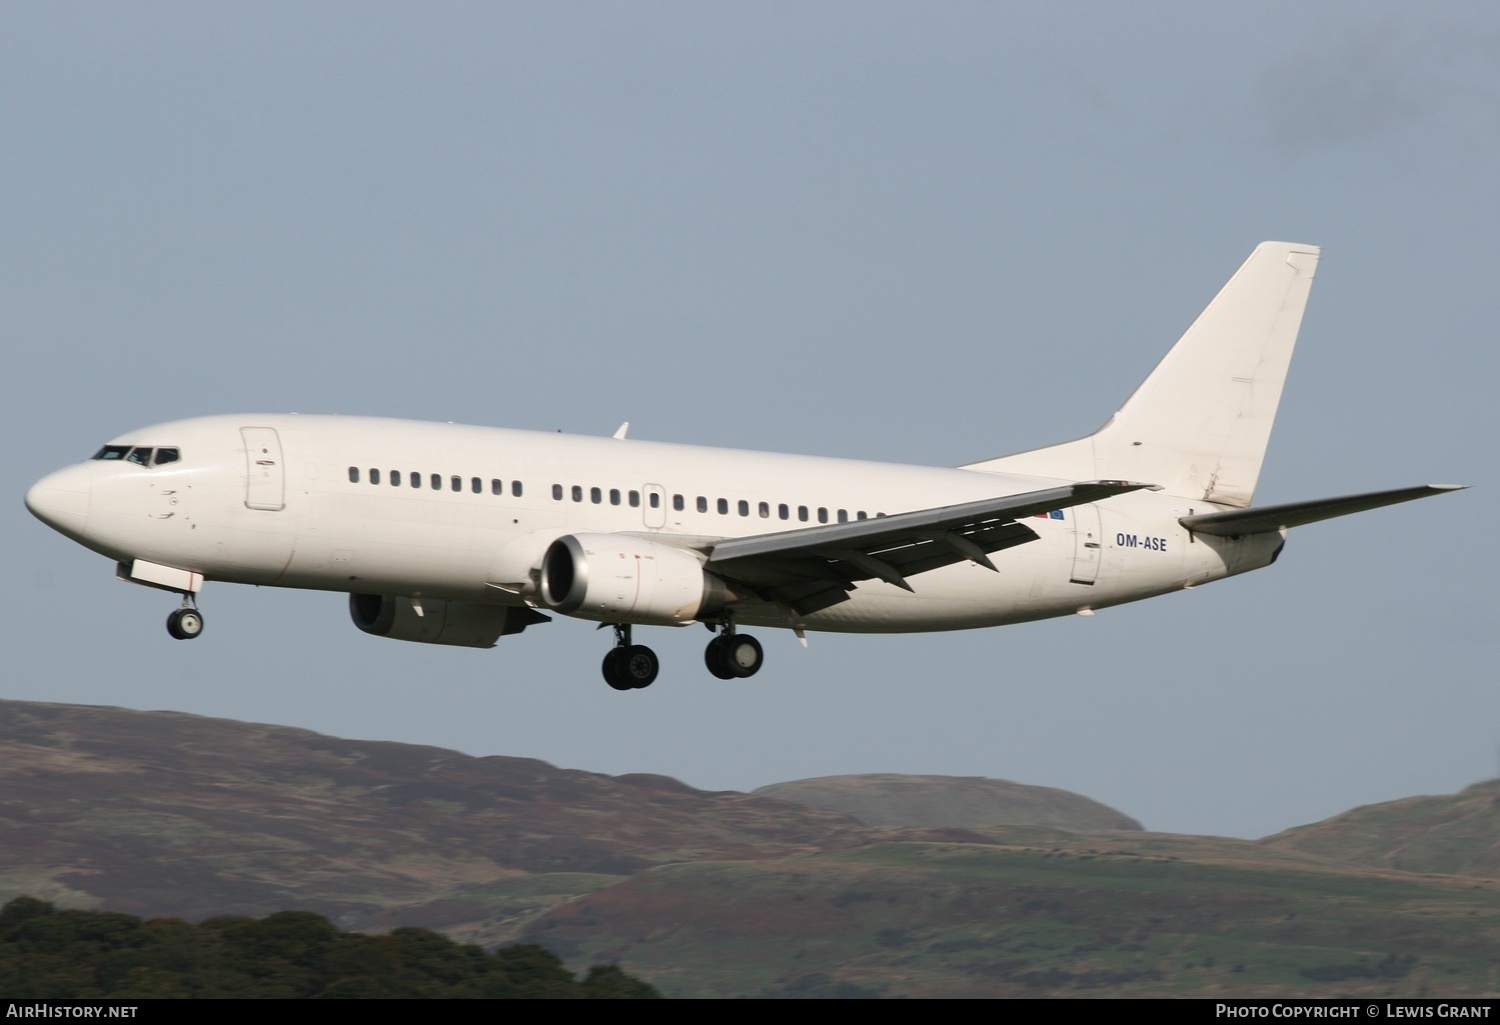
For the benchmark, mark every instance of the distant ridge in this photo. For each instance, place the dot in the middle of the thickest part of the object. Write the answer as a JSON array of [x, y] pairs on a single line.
[[965, 802], [1450, 834]]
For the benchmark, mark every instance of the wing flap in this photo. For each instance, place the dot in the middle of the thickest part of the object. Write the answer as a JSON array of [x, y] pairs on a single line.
[[816, 567]]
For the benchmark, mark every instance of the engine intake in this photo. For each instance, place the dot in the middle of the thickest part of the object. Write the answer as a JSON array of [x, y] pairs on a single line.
[[621, 579]]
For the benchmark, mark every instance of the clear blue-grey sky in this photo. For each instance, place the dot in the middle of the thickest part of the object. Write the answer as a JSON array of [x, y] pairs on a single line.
[[927, 232]]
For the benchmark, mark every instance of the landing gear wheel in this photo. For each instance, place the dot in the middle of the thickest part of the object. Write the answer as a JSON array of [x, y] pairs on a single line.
[[713, 657], [613, 672], [640, 666], [743, 655], [631, 667], [185, 624], [729, 656]]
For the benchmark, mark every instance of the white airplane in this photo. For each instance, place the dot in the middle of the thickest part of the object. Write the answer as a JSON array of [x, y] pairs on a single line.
[[459, 535]]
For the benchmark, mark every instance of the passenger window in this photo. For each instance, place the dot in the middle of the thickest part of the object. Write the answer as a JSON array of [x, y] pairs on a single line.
[[476, 485], [353, 475], [677, 503], [655, 499], [802, 513], [822, 514], [374, 475], [635, 500], [595, 496], [416, 479], [723, 507], [860, 515], [577, 493], [437, 482], [843, 515], [744, 508], [515, 488], [783, 511], [497, 487], [702, 504], [113, 452], [139, 456], [557, 492], [456, 482], [395, 478], [614, 496], [765, 510], [164, 456]]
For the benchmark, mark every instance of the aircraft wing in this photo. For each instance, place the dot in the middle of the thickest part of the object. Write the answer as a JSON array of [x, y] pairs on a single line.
[[815, 567], [1238, 522]]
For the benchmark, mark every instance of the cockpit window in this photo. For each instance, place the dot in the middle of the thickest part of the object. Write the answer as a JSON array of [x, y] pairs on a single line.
[[139, 456]]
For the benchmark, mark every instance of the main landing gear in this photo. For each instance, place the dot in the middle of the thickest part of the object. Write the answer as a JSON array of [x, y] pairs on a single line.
[[629, 666], [729, 656], [732, 656], [187, 622]]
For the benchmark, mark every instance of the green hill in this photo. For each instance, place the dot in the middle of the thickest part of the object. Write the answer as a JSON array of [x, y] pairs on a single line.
[[888, 799]]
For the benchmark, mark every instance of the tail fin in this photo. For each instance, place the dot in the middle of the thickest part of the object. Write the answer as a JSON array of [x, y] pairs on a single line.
[[1200, 423]]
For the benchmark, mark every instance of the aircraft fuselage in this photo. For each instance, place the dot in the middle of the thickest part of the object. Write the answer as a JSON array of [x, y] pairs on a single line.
[[444, 511]]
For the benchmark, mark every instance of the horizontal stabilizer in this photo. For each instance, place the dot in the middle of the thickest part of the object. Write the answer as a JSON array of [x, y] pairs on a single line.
[[1265, 519]]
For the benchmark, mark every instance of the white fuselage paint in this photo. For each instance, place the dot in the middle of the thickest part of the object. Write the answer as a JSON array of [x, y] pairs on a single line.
[[267, 499]]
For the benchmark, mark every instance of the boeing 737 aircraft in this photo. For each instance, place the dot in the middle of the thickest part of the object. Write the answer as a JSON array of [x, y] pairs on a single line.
[[460, 535]]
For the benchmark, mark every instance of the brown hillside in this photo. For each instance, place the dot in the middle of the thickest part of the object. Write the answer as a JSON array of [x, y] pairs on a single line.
[[160, 813]]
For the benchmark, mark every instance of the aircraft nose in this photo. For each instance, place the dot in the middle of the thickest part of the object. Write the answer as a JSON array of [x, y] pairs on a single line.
[[61, 500]]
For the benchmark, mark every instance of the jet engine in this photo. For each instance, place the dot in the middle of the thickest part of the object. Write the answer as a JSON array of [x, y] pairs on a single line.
[[469, 624], [622, 579]]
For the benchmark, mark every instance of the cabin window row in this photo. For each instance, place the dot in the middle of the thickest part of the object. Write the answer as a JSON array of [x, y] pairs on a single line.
[[614, 496], [597, 496], [436, 481]]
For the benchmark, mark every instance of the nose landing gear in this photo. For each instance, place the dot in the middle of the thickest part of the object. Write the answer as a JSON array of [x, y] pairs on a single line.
[[629, 666], [185, 623]]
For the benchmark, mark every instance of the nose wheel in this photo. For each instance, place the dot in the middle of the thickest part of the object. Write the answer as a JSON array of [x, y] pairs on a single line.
[[185, 623], [629, 666]]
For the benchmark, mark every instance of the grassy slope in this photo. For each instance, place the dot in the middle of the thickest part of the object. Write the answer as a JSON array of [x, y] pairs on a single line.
[[1453, 833], [1100, 916]]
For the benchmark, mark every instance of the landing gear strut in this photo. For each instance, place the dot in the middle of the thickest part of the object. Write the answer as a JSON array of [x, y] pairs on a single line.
[[733, 656], [187, 622], [629, 666]]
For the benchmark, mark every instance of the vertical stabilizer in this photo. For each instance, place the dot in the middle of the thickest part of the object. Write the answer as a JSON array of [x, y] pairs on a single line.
[[1199, 425]]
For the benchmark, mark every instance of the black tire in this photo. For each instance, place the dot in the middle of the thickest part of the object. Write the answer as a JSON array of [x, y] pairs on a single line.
[[713, 657], [639, 666], [614, 672], [185, 624], [743, 655]]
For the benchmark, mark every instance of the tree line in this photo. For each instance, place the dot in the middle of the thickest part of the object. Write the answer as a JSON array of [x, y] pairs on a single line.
[[47, 953]]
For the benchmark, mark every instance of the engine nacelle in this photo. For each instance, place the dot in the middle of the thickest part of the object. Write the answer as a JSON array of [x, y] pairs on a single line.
[[621, 579], [468, 624]]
